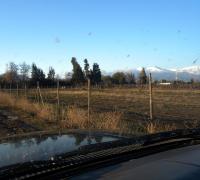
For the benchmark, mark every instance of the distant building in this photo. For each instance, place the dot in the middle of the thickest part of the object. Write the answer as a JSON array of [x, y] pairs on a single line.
[[165, 83]]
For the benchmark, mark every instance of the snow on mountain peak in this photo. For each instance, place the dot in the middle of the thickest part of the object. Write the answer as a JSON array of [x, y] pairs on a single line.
[[190, 69], [186, 73]]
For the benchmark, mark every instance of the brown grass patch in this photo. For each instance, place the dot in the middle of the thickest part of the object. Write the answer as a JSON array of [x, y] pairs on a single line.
[[6, 100], [154, 127], [75, 117], [107, 121], [34, 109]]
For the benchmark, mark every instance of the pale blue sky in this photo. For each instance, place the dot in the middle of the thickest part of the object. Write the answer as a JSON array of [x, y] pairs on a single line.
[[117, 34]]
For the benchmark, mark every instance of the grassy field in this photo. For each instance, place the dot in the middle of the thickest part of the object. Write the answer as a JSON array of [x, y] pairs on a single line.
[[172, 108], [134, 103]]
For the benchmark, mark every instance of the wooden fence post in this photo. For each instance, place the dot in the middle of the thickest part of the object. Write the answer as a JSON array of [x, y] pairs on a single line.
[[89, 95], [40, 95], [17, 90], [58, 102], [25, 90], [150, 97], [37, 92], [10, 89]]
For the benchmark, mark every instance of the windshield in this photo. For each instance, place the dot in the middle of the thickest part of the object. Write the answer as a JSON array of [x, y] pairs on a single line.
[[126, 67]]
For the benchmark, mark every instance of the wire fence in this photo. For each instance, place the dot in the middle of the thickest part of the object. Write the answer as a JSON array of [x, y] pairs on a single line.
[[168, 104]]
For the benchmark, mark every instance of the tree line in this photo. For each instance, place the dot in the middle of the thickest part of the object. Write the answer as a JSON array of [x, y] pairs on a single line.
[[25, 74]]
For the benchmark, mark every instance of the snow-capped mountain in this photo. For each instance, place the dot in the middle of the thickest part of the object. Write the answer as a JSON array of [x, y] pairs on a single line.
[[185, 74], [191, 69], [159, 73]]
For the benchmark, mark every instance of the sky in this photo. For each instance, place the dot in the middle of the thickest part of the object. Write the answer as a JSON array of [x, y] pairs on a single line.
[[117, 34]]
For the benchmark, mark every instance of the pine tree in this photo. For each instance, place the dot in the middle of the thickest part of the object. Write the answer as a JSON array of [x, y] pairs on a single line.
[[78, 75], [51, 74], [37, 74], [96, 74], [143, 77], [34, 73], [86, 68]]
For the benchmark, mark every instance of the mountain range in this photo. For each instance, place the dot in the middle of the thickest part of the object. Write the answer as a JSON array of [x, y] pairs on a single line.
[[158, 73]]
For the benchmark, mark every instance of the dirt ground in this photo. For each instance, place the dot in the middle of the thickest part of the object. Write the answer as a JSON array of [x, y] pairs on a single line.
[[11, 124]]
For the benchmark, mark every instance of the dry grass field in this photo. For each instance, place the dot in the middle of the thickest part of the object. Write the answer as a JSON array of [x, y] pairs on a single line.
[[112, 109]]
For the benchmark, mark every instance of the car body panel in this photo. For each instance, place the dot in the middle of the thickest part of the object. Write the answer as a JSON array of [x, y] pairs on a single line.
[[183, 163]]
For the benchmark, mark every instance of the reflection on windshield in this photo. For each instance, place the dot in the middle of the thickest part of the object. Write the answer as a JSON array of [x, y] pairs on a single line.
[[44, 147]]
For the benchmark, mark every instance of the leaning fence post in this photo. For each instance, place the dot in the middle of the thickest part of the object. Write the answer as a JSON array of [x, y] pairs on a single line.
[[150, 97]]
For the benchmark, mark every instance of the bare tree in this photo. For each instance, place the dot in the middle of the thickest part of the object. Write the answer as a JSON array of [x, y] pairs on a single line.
[[11, 75], [130, 78], [24, 71]]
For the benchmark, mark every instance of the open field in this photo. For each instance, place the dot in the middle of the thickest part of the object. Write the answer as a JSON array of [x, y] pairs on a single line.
[[172, 108], [133, 103]]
